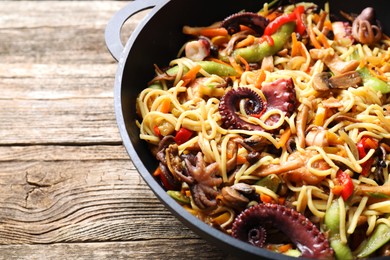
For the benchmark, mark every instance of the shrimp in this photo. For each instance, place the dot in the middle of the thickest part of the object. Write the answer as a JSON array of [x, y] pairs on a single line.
[[295, 168]]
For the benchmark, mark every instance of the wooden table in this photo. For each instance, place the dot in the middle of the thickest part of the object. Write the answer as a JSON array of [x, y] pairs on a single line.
[[68, 189]]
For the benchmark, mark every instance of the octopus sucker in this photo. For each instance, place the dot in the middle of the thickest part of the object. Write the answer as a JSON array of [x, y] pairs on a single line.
[[279, 94], [300, 230], [228, 108]]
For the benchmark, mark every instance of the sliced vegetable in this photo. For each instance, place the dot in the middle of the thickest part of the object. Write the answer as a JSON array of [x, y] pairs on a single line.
[[191, 74], [373, 82], [341, 250], [273, 26], [378, 238], [266, 198], [164, 179], [221, 219], [301, 29], [157, 131], [332, 218], [363, 146], [313, 39], [293, 253], [249, 40], [165, 106], [332, 222], [210, 67], [284, 138], [178, 196], [257, 52], [346, 182], [183, 135], [271, 182], [209, 31], [156, 85]]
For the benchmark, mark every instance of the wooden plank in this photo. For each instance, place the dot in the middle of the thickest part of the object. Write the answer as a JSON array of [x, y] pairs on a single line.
[[48, 196], [58, 31], [148, 249], [44, 57], [68, 120], [68, 188], [64, 199]]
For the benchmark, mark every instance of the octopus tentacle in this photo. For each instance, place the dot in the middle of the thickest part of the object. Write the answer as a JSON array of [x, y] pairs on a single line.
[[302, 232], [280, 94], [228, 108], [252, 20], [205, 179]]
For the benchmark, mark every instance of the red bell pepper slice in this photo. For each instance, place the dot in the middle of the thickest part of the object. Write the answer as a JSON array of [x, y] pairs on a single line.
[[363, 146], [300, 27], [268, 39], [346, 182], [273, 26], [157, 131], [164, 179], [183, 135]]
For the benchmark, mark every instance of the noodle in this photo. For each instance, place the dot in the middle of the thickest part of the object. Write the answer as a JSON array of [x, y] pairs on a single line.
[[274, 130]]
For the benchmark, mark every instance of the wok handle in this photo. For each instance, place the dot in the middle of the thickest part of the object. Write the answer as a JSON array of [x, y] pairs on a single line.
[[113, 29]]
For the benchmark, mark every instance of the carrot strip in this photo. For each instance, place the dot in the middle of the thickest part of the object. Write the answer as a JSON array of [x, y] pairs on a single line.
[[316, 18], [328, 25], [265, 198], [246, 42], [386, 146], [302, 49], [374, 73], [157, 172], [284, 248], [323, 40], [209, 31], [241, 159], [260, 79], [223, 218], [246, 28], [272, 16], [243, 61], [313, 38], [165, 106], [284, 138], [295, 45], [212, 32], [190, 210], [191, 74], [235, 65]]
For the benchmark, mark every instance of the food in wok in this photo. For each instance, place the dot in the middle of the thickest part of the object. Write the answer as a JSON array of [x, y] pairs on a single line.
[[274, 127]]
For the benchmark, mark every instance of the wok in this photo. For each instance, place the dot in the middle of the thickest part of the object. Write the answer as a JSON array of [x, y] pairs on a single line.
[[156, 40]]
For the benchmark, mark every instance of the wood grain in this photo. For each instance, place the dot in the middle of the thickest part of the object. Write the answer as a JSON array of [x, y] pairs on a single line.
[[68, 187]]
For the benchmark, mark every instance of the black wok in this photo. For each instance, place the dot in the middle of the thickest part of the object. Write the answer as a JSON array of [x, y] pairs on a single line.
[[156, 40]]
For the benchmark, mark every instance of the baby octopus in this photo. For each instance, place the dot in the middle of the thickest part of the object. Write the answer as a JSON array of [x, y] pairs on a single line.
[[279, 94], [252, 20], [192, 170], [252, 224]]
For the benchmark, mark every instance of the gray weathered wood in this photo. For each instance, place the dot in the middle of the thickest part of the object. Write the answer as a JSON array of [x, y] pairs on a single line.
[[68, 187]]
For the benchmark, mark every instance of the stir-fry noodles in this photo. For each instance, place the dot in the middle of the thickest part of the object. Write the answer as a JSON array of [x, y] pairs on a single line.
[[274, 127]]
